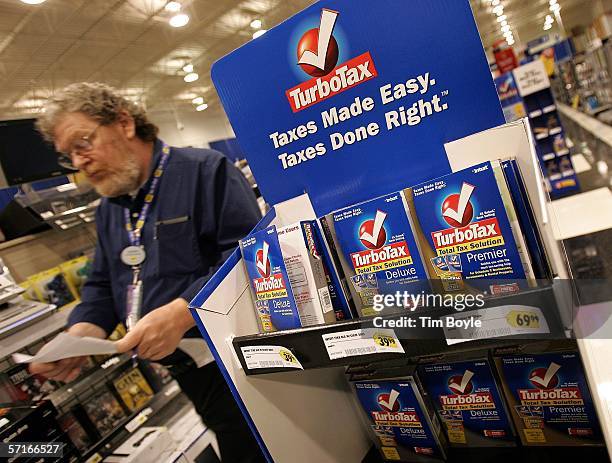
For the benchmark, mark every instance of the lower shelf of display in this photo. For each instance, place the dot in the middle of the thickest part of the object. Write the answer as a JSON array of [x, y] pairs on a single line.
[[309, 348], [515, 454]]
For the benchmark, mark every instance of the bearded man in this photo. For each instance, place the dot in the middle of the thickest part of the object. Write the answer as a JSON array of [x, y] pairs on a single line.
[[168, 219]]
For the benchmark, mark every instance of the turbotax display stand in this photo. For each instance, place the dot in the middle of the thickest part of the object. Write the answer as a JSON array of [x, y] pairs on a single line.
[[301, 415], [346, 101]]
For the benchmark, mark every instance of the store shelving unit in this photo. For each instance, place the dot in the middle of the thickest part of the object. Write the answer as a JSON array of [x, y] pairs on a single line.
[[132, 422], [307, 344]]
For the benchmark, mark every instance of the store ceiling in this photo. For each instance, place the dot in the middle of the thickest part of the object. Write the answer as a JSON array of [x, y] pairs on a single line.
[[129, 44]]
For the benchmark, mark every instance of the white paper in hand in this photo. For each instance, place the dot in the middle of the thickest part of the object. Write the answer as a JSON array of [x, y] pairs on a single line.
[[65, 345]]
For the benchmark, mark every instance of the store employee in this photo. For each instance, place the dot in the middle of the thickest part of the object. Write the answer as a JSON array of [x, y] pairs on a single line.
[[168, 219]]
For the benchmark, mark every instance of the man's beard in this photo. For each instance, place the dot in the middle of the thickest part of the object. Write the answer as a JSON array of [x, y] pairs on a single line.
[[121, 181]]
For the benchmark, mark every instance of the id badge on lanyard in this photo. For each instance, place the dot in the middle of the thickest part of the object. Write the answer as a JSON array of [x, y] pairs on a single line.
[[134, 254]]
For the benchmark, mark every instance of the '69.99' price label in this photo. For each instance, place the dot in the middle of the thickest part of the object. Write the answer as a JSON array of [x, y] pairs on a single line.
[[361, 342], [495, 322]]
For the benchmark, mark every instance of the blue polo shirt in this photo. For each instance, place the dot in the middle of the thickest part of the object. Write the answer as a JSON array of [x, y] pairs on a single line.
[[203, 206]]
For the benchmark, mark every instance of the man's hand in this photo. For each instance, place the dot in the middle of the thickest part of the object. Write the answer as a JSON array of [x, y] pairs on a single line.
[[68, 369], [159, 332]]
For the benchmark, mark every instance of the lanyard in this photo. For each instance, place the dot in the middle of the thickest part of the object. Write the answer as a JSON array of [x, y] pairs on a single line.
[[134, 231], [134, 254]]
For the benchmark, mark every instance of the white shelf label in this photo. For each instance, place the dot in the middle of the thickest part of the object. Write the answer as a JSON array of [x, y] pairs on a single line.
[[269, 357], [499, 321], [138, 420], [531, 78], [95, 458], [361, 342]]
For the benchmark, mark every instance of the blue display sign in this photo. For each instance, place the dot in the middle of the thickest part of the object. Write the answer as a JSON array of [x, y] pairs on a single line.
[[353, 99]]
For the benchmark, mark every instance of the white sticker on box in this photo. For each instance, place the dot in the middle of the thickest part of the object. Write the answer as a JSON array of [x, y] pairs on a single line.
[[325, 299], [361, 342], [269, 357], [505, 320]]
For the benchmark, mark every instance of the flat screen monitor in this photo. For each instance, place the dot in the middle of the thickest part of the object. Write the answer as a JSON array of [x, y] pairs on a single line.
[[24, 155]]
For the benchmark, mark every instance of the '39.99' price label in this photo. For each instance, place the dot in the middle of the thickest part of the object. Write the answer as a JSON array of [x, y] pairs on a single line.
[[361, 342]]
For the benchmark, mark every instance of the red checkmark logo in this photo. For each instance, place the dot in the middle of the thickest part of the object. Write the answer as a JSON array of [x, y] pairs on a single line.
[[317, 50], [262, 261]]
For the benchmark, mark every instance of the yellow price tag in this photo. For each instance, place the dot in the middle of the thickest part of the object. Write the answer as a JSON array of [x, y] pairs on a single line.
[[287, 356], [523, 319], [384, 341]]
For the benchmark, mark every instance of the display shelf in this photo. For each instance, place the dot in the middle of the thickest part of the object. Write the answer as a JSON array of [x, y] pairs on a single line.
[[32, 333], [590, 124], [308, 346], [127, 426], [84, 383], [514, 454], [599, 109]]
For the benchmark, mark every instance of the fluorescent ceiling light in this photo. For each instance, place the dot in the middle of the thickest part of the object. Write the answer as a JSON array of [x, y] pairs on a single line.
[[504, 23], [510, 42], [256, 24], [191, 77], [502, 18], [555, 7], [508, 34], [201, 107], [498, 10], [188, 68], [198, 100], [174, 7], [505, 28], [179, 20], [259, 33]]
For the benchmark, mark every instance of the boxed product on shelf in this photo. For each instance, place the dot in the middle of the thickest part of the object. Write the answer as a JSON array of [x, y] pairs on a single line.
[[19, 385], [548, 396], [332, 255], [405, 427], [29, 423], [29, 291], [156, 374], [468, 402], [133, 388], [80, 438], [527, 222], [103, 410], [76, 272], [269, 281], [307, 274], [379, 254], [468, 214], [52, 287], [118, 333]]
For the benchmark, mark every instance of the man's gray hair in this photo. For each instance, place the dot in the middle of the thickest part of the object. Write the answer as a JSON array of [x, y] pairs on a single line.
[[98, 101]]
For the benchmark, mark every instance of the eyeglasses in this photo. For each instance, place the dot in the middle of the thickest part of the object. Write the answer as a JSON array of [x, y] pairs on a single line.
[[78, 146]]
